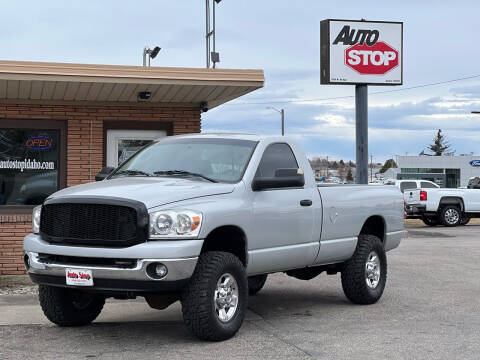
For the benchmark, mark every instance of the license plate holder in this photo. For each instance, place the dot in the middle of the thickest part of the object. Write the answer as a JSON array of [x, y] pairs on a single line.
[[79, 277]]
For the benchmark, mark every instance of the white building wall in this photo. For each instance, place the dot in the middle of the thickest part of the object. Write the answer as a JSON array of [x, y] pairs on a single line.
[[443, 162]]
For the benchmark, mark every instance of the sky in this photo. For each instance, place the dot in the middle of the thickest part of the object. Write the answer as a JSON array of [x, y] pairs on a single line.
[[282, 38]]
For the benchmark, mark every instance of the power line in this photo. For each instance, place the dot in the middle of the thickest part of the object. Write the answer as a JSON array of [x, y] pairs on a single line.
[[352, 96]]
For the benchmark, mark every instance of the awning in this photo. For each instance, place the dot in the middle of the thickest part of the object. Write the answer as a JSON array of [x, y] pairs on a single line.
[[42, 82]]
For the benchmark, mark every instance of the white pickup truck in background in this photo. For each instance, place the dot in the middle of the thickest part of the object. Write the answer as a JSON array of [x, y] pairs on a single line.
[[440, 206]]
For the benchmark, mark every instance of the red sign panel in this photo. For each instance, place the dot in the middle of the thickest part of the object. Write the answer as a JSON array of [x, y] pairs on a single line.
[[377, 59]]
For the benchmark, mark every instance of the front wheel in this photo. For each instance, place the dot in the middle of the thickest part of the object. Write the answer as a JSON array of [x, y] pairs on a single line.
[[69, 307], [365, 274], [214, 301], [450, 216]]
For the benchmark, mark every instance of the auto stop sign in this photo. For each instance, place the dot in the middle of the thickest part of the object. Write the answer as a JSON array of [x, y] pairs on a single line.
[[361, 52]]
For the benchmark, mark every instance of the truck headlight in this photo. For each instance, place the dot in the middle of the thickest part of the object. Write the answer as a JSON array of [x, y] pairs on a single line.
[[36, 219], [173, 224]]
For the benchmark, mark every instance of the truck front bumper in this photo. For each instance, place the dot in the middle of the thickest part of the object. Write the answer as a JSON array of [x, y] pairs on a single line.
[[116, 269]]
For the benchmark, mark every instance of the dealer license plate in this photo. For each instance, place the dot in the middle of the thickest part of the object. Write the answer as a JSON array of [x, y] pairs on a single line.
[[79, 277]]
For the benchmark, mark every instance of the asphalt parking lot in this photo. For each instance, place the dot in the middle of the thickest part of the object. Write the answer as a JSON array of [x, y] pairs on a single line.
[[430, 310]]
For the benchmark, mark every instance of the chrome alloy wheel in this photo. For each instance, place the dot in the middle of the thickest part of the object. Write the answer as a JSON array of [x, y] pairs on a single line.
[[226, 297], [372, 270], [452, 216]]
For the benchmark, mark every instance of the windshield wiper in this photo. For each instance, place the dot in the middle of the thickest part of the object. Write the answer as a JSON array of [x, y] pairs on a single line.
[[132, 172], [183, 172]]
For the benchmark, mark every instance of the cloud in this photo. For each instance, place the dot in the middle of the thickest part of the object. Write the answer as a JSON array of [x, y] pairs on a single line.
[[328, 128]]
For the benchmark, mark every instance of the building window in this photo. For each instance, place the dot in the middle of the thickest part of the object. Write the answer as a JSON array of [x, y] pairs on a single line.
[[422, 171], [31, 161]]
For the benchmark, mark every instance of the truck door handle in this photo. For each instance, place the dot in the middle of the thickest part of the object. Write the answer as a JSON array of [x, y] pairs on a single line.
[[306, 202]]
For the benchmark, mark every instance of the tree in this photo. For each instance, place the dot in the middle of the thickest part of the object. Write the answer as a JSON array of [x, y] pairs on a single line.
[[349, 175], [440, 145], [341, 170], [390, 163]]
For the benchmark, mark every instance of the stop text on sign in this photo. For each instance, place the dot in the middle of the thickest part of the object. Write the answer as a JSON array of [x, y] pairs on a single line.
[[377, 59]]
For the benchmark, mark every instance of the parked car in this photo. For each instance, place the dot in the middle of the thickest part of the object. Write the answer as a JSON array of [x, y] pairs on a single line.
[[204, 219], [449, 207], [474, 183]]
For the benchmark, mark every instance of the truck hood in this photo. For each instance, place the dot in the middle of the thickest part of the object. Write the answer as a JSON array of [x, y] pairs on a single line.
[[151, 191]]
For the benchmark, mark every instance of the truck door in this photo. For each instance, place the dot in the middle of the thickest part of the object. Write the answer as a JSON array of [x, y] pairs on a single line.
[[283, 219]]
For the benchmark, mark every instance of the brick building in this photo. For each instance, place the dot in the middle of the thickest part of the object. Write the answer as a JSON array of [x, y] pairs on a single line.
[[61, 123]]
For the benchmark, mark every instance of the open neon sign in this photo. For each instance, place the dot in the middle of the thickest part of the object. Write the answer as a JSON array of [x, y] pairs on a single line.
[[39, 142]]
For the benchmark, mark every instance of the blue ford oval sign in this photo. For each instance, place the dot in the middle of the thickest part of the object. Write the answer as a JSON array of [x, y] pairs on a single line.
[[475, 163]]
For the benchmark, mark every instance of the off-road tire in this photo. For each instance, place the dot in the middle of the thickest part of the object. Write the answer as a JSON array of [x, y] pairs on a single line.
[[256, 283], [443, 213], [353, 273], [197, 298], [430, 221], [465, 220], [58, 305]]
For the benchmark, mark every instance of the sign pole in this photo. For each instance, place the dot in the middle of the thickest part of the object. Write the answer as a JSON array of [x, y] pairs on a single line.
[[361, 125]]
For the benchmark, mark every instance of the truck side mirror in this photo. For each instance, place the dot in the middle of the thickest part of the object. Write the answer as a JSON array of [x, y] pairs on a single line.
[[284, 178], [106, 170]]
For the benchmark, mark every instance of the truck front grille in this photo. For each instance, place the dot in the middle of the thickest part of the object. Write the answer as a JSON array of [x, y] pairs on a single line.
[[91, 224]]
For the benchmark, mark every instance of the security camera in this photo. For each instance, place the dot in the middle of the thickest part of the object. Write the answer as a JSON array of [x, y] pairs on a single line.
[[144, 95], [204, 106]]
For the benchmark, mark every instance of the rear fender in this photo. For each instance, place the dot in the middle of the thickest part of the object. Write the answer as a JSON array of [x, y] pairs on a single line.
[[451, 200]]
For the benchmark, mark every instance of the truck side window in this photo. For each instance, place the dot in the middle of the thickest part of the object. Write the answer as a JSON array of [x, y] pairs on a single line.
[[276, 156], [407, 185]]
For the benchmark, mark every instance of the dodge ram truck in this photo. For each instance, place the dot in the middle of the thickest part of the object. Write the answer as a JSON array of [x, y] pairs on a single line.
[[204, 219]]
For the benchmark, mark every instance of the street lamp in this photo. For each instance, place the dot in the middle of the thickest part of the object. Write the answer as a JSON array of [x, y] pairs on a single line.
[[152, 54], [282, 113]]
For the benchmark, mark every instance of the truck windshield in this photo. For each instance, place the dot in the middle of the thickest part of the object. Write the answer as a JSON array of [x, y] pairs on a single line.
[[219, 160]]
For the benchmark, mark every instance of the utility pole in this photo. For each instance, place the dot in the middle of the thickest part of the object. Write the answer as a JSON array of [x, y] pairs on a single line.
[[326, 176], [371, 168], [283, 121]]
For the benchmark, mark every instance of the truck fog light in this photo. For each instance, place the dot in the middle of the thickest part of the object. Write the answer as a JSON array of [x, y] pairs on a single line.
[[156, 271], [161, 270]]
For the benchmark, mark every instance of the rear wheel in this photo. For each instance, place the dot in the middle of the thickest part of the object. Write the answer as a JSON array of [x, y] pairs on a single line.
[[364, 276], [69, 307], [450, 215], [256, 283], [430, 221]]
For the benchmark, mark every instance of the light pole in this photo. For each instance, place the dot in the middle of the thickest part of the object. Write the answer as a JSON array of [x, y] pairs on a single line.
[[210, 33], [282, 113]]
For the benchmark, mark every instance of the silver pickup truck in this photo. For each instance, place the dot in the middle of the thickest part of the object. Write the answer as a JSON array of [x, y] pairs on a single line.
[[203, 219]]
